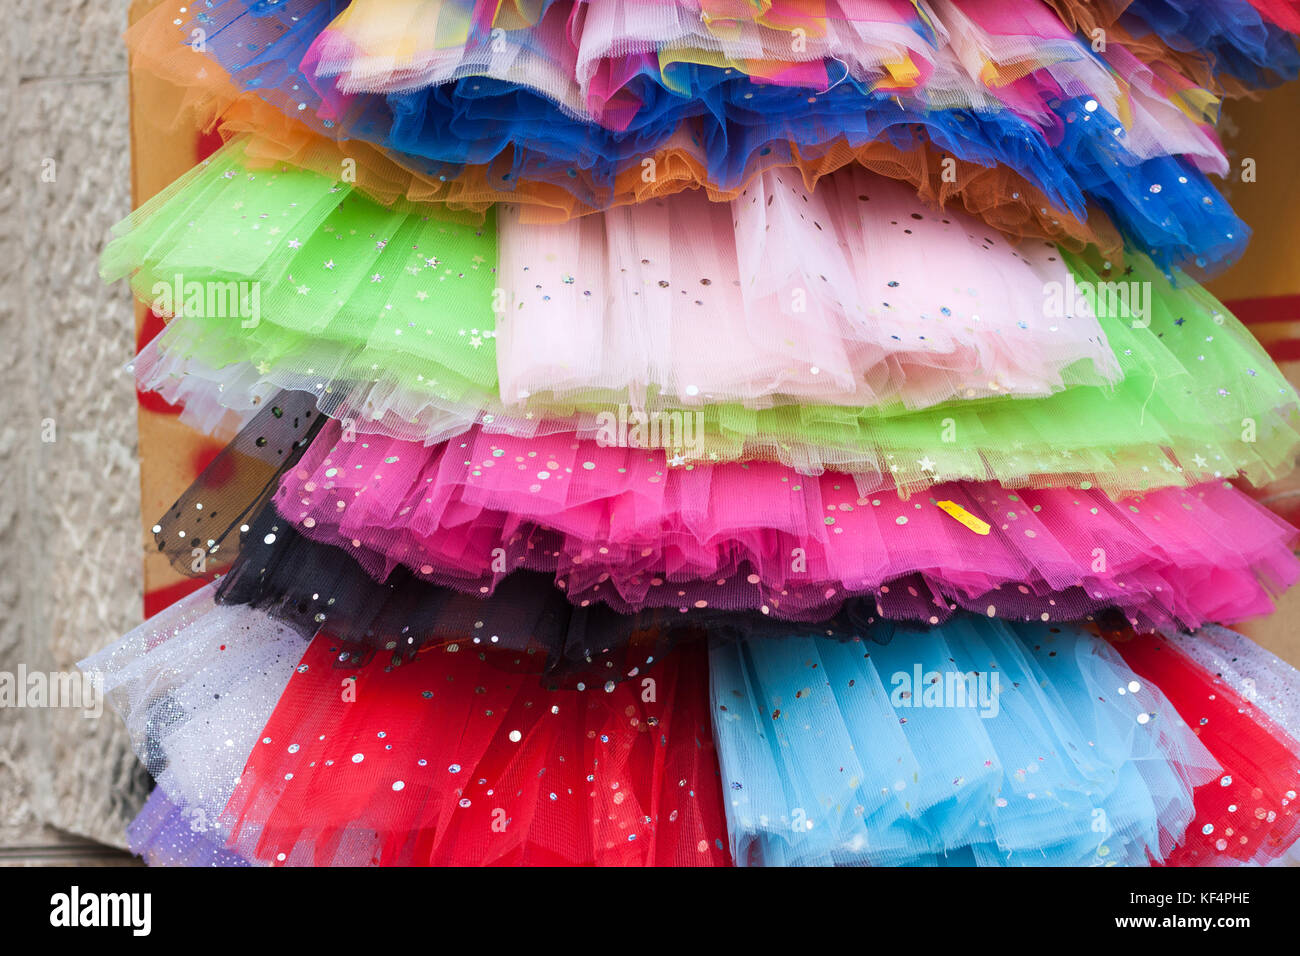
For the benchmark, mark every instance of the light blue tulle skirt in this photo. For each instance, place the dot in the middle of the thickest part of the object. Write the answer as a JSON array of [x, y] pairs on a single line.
[[976, 743]]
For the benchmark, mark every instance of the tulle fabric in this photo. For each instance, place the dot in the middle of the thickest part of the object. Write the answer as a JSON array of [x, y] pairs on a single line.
[[402, 341], [1237, 40], [1247, 815], [448, 762], [445, 760], [1283, 13], [1095, 21], [386, 48], [360, 40], [1261, 679], [836, 756], [194, 685], [358, 688], [622, 527], [528, 624], [975, 54], [1233, 34], [165, 834], [312, 284], [1159, 201], [595, 60], [1265, 683], [201, 686], [237, 483], [201, 94], [782, 296]]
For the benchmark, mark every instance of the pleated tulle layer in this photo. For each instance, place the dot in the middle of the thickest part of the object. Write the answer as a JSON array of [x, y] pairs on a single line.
[[445, 760], [528, 624], [1230, 35], [1163, 203], [578, 639], [388, 318], [976, 743], [783, 296], [606, 62], [206, 98], [980, 743], [627, 529]]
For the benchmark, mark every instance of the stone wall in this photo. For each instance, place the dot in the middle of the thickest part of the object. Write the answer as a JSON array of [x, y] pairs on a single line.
[[70, 548]]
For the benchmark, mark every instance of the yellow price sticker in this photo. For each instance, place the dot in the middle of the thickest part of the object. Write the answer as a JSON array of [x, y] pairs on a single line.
[[977, 525]]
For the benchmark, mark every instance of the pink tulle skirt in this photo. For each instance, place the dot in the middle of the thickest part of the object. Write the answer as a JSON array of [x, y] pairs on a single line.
[[626, 527]]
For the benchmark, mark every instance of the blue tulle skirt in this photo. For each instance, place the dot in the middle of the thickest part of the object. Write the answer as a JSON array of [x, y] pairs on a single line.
[[977, 743]]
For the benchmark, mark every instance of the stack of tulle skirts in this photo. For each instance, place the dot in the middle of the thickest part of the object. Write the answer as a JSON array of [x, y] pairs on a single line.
[[711, 432]]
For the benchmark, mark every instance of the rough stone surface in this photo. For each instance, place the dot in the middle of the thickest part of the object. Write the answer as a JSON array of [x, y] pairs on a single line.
[[70, 571]]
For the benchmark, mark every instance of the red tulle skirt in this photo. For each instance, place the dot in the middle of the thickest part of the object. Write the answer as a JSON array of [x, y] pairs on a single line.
[[450, 760]]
